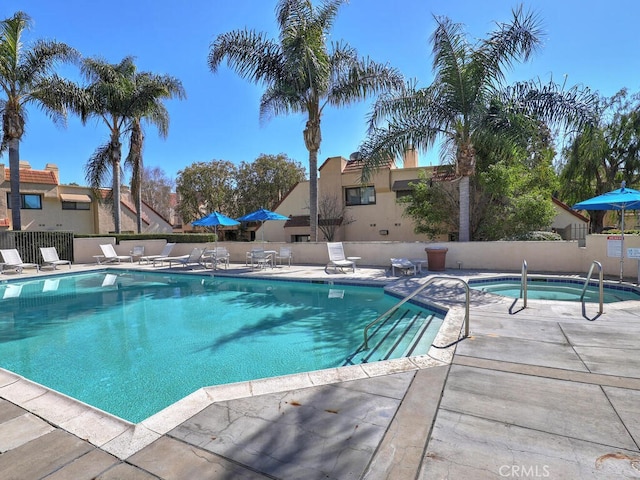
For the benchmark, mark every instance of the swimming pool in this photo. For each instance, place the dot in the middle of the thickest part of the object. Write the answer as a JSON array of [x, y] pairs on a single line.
[[555, 288], [132, 343]]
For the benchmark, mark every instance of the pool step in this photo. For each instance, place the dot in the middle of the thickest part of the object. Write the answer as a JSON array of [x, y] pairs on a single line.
[[399, 335]]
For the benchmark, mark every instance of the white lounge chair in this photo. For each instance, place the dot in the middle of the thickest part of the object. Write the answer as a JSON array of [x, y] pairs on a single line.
[[166, 251], [11, 258], [194, 258], [110, 255], [337, 259], [402, 264], [50, 258], [284, 254]]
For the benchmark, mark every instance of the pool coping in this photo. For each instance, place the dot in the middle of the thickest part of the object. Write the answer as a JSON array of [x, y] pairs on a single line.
[[122, 438]]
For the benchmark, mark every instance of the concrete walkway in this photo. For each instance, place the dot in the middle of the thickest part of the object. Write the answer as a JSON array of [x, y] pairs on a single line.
[[541, 393]]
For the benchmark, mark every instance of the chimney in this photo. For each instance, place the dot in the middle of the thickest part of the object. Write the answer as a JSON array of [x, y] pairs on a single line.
[[52, 167], [410, 158]]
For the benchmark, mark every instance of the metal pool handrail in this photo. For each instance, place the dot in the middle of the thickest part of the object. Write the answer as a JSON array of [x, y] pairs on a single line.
[[413, 294], [600, 283], [523, 283]]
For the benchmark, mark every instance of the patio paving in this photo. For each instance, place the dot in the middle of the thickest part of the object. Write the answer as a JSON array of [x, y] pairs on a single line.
[[542, 393]]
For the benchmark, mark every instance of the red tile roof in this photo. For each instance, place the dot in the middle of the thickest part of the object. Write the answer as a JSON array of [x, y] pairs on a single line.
[[357, 165], [42, 177]]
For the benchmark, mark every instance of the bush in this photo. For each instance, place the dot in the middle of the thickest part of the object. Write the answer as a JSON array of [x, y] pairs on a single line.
[[536, 236], [169, 237]]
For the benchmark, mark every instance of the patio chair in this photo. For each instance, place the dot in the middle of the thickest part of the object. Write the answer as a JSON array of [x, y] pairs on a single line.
[[12, 260], [194, 258], [249, 257], [166, 251], [337, 259], [137, 252], [110, 255], [220, 256], [403, 264], [50, 258], [284, 254], [261, 259]]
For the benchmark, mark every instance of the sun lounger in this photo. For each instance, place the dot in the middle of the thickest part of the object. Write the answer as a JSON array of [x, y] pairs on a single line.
[[194, 258], [337, 259], [166, 251], [403, 264], [12, 260], [50, 258], [110, 255]]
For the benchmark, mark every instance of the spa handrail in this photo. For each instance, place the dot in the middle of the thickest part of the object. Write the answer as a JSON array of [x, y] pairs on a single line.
[[413, 294], [595, 263], [523, 283]]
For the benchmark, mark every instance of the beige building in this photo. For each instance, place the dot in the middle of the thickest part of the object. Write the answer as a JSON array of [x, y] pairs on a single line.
[[49, 206], [371, 212]]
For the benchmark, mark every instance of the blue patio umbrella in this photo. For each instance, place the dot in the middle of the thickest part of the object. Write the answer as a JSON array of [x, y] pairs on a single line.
[[261, 215], [621, 199], [213, 220]]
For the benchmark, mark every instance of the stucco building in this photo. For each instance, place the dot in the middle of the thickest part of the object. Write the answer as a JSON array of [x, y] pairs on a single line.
[[353, 211], [46, 205], [371, 212]]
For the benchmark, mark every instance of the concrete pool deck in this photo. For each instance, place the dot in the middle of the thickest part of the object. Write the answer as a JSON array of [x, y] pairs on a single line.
[[540, 393]]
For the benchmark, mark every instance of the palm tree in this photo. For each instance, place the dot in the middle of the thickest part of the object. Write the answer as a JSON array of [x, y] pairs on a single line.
[[146, 104], [108, 97], [27, 77], [301, 74], [467, 99]]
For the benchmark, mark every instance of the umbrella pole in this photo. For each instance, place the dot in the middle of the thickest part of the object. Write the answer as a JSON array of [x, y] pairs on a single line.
[[622, 246]]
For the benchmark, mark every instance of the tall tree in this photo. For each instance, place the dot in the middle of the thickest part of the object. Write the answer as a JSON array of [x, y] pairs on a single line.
[[301, 74], [265, 181], [27, 77], [146, 103], [205, 187], [601, 156], [156, 190], [108, 99], [461, 102]]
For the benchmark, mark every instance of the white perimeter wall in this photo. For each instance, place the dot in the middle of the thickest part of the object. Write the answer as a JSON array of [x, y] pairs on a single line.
[[556, 257]]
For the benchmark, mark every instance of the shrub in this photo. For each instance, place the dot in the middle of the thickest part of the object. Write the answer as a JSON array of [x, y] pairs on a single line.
[[536, 236]]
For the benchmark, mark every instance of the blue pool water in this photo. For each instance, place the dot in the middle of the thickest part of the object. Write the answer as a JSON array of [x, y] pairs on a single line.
[[555, 289], [132, 343]]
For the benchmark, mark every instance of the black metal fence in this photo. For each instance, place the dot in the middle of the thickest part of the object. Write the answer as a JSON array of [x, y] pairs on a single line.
[[574, 232], [28, 244]]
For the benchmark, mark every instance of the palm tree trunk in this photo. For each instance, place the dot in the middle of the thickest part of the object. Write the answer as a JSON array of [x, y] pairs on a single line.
[[313, 195], [463, 229], [115, 165], [139, 211], [466, 165], [14, 181], [312, 139]]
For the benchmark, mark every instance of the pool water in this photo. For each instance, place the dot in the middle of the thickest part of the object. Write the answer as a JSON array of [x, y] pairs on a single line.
[[556, 289], [132, 343]]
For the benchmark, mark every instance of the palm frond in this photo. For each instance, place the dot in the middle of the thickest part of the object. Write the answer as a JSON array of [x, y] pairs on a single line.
[[354, 79], [98, 168], [249, 54]]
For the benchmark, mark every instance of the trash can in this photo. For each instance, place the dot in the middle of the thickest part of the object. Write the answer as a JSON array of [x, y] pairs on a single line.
[[436, 257]]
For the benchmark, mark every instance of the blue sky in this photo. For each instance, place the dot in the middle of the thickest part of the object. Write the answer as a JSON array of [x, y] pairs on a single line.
[[592, 43]]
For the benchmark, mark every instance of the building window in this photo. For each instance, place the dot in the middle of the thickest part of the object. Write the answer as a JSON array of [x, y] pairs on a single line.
[[403, 193], [28, 201], [76, 206], [360, 196], [300, 238]]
